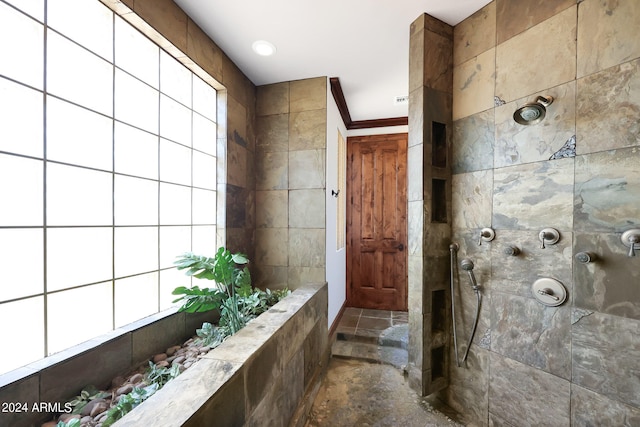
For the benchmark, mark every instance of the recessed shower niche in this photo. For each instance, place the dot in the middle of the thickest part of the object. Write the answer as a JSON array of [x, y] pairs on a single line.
[[438, 160], [439, 200], [439, 317], [438, 366], [438, 144]]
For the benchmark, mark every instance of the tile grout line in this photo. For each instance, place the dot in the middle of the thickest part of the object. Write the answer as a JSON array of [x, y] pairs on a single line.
[[355, 332]]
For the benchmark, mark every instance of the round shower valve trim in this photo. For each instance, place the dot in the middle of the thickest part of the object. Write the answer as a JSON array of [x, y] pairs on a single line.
[[548, 236], [487, 234], [549, 292]]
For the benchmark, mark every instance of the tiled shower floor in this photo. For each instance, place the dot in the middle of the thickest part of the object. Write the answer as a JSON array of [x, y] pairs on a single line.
[[373, 335], [364, 322], [365, 384]]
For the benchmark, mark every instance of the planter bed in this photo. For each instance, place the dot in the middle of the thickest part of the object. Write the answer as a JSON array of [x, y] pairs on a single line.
[[260, 375]]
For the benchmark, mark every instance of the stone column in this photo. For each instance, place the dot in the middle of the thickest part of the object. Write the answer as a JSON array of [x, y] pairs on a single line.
[[429, 202]]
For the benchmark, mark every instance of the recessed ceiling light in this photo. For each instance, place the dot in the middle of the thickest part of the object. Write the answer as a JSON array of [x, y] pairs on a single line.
[[263, 48]]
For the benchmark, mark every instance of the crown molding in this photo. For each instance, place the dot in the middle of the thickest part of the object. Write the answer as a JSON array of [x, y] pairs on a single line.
[[338, 96]]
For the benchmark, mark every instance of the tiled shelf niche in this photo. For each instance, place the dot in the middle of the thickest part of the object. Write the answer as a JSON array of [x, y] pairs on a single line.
[[438, 366], [439, 145], [438, 311], [439, 200]]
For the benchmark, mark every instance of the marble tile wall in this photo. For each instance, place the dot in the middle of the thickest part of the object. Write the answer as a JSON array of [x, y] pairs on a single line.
[[290, 182], [577, 171]]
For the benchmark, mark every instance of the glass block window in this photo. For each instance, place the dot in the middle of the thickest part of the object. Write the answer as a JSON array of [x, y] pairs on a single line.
[[107, 173]]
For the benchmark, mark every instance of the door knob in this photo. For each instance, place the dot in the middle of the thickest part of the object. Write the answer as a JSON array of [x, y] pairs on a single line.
[[400, 247]]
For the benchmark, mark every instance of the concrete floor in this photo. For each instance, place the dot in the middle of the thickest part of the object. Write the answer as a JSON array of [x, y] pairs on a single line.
[[365, 383]]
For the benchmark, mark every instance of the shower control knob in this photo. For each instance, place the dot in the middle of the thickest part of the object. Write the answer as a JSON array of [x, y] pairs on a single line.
[[548, 236], [585, 257], [548, 293], [631, 238], [512, 251], [487, 234]]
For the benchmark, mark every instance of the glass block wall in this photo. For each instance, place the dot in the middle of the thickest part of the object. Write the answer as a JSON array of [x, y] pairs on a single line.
[[107, 173]]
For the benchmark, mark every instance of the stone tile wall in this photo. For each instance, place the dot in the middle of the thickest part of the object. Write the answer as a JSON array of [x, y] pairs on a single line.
[[290, 182], [577, 171], [257, 377], [430, 80]]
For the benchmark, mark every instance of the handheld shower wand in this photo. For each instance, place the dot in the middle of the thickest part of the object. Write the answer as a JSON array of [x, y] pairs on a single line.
[[467, 265]]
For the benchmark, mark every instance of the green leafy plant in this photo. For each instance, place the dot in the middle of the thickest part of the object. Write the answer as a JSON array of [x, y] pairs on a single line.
[[127, 402], [232, 294], [198, 300], [71, 423], [231, 279], [160, 375], [223, 268], [260, 301], [86, 395], [210, 335]]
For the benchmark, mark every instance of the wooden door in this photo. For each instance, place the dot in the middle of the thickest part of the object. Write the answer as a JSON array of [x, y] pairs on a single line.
[[377, 222]]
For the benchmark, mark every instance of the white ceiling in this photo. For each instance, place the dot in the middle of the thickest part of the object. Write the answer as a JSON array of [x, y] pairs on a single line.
[[365, 43]]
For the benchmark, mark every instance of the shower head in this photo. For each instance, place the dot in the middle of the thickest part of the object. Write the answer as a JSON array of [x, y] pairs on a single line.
[[466, 264], [533, 112]]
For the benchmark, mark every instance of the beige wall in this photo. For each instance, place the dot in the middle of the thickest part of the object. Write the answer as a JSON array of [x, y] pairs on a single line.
[[575, 364]]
